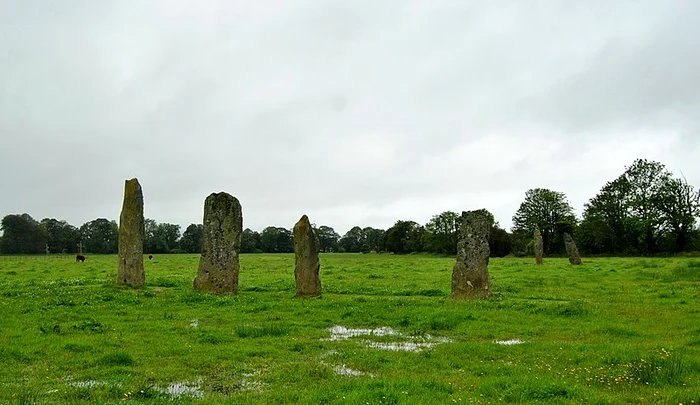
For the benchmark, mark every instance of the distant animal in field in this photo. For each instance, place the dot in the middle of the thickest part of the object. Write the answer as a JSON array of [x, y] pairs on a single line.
[[80, 258], [150, 257]]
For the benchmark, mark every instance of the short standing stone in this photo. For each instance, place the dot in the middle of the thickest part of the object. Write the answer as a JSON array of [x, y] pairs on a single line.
[[131, 231], [306, 263], [571, 250], [539, 247], [470, 275], [221, 243]]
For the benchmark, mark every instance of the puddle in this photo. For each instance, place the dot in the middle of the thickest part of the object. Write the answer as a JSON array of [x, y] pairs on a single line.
[[412, 343], [401, 346], [509, 342], [87, 384], [347, 371], [183, 389], [343, 333]]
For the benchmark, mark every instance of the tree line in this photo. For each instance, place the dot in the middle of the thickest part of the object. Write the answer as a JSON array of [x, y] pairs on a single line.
[[643, 211], [24, 235]]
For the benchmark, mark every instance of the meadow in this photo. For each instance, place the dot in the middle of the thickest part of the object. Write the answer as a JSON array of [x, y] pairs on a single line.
[[612, 331]]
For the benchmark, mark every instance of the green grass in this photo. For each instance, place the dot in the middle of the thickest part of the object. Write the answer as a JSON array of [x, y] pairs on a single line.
[[612, 331]]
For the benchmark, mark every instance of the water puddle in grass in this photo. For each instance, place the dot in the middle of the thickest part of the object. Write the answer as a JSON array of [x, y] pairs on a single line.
[[180, 389], [87, 384], [343, 333], [410, 343], [510, 342], [347, 371]]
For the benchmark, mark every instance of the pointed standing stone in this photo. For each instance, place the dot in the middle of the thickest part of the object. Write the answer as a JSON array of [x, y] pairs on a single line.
[[539, 247], [221, 244], [306, 263], [470, 275], [572, 250], [131, 232]]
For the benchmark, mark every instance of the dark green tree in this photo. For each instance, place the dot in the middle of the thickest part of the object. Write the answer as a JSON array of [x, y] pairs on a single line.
[[441, 233], [100, 236], [547, 211], [647, 180], [404, 237], [167, 236], [251, 241], [680, 206], [62, 236], [277, 240], [22, 234], [351, 242], [327, 239], [372, 239], [607, 226], [191, 240]]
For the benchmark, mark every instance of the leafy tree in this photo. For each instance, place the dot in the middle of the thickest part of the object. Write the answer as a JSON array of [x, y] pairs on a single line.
[[372, 239], [100, 236], [647, 180], [500, 241], [22, 234], [404, 237], [251, 241], [640, 211], [352, 240], [191, 240], [606, 225], [276, 240], [149, 236], [547, 211], [680, 206], [327, 239], [441, 233], [62, 236], [167, 236]]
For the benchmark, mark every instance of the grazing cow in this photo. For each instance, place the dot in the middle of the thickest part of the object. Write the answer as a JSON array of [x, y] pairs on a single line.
[[150, 257], [80, 258]]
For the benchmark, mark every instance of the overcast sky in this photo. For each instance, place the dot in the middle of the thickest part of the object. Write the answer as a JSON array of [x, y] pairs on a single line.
[[353, 112]]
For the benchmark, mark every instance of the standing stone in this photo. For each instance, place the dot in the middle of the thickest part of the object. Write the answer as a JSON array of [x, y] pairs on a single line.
[[539, 247], [571, 250], [470, 275], [221, 243], [306, 263], [131, 231]]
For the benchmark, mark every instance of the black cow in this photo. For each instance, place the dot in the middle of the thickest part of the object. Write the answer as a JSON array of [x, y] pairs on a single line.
[[80, 258]]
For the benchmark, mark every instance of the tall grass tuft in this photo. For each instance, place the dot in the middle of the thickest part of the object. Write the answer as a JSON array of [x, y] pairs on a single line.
[[251, 331]]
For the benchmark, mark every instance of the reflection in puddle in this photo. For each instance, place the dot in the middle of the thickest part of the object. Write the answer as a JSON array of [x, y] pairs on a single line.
[[509, 342]]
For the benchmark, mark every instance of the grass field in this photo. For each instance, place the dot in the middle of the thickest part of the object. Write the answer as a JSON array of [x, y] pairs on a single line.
[[614, 330]]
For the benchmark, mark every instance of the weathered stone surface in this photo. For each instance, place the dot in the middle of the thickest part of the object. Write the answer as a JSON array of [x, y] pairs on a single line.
[[131, 233], [306, 263], [571, 250], [470, 275], [221, 244], [539, 247]]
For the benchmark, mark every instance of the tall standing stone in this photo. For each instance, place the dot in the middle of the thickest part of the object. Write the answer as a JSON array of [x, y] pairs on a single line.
[[470, 275], [571, 250], [221, 244], [539, 247], [306, 263], [131, 232]]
